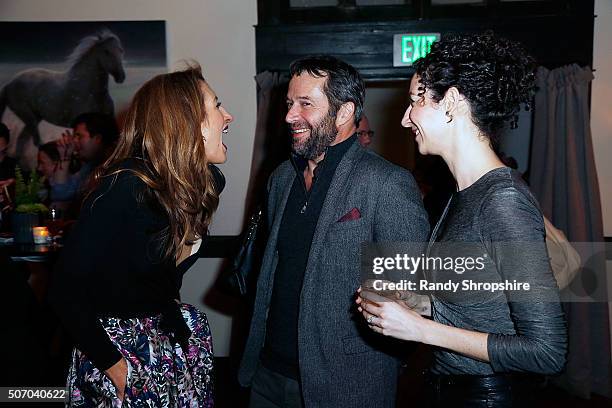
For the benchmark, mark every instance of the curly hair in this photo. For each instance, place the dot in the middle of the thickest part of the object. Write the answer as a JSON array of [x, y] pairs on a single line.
[[162, 130], [495, 75]]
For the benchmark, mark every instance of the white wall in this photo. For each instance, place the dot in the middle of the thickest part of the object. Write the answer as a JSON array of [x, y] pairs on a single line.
[[601, 116], [601, 113], [220, 35]]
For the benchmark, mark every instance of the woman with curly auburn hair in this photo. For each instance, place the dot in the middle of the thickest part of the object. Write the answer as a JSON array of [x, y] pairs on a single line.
[[489, 344], [117, 283]]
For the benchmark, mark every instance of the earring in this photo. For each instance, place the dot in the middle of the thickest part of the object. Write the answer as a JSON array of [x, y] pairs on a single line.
[[450, 117], [204, 130]]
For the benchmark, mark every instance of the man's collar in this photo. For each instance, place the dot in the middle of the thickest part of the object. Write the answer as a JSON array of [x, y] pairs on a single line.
[[342, 147]]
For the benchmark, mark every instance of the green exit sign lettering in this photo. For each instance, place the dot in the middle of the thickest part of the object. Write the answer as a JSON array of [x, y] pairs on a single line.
[[408, 48]]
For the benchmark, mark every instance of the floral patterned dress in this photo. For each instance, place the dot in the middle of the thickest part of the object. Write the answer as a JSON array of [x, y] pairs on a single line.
[[160, 372]]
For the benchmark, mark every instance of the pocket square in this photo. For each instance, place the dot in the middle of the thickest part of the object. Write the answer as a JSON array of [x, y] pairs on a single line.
[[354, 214]]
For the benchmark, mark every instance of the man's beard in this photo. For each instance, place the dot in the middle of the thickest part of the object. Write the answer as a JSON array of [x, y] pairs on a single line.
[[321, 135]]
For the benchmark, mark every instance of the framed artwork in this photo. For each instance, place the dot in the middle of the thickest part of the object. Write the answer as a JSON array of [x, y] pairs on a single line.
[[50, 72]]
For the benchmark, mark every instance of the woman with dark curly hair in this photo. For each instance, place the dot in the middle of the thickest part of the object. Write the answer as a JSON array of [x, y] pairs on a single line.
[[117, 282], [489, 343]]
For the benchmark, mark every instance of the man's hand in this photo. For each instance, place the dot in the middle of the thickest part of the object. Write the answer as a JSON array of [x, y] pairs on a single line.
[[118, 375], [65, 145]]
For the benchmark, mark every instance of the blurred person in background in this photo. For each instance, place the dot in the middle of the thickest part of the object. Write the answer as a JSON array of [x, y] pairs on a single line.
[[364, 133], [92, 140]]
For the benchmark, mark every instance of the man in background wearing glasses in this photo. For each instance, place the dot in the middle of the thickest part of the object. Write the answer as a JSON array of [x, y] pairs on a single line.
[[364, 134]]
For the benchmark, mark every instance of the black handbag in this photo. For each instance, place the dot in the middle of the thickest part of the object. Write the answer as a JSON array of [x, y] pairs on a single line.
[[245, 265]]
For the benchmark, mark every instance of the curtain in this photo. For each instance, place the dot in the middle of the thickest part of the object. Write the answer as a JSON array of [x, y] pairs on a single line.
[[564, 179]]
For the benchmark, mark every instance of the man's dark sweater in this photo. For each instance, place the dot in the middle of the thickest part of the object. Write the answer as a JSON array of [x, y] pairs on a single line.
[[280, 352]]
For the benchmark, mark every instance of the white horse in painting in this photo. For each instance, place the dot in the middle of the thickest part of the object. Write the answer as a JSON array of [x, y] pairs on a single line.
[[39, 94]]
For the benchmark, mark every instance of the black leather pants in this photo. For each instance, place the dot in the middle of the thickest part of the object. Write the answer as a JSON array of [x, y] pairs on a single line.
[[472, 391]]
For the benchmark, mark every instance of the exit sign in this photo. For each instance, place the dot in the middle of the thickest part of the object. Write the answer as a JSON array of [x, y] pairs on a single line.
[[408, 48]]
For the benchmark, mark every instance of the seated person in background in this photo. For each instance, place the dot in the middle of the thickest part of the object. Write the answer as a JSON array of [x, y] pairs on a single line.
[[55, 173], [93, 139], [7, 164], [364, 133], [7, 168]]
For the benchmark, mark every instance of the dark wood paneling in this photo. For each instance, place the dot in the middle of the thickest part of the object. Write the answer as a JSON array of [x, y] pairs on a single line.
[[279, 11], [553, 40], [556, 32]]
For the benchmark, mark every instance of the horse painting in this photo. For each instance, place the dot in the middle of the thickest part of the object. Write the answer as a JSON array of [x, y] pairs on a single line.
[[39, 94]]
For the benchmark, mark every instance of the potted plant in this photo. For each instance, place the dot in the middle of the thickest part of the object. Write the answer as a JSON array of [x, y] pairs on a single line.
[[28, 207]]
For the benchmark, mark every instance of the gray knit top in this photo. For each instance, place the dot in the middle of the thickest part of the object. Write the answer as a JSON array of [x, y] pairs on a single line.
[[499, 218]]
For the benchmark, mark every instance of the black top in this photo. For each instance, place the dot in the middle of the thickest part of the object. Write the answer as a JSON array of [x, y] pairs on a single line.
[[500, 219], [280, 351], [113, 265], [7, 168]]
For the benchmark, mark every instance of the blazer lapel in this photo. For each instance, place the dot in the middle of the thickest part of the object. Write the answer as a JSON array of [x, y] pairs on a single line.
[[328, 212], [279, 210], [287, 179]]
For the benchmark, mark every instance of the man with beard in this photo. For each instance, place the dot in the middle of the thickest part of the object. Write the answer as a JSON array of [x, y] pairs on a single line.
[[305, 348]]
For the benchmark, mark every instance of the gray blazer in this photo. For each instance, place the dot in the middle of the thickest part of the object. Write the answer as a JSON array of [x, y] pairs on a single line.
[[342, 363]]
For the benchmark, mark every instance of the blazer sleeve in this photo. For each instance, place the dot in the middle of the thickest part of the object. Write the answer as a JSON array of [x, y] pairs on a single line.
[[73, 291], [400, 215]]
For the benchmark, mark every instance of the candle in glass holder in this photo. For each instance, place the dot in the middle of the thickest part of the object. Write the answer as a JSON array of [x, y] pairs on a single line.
[[41, 235]]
